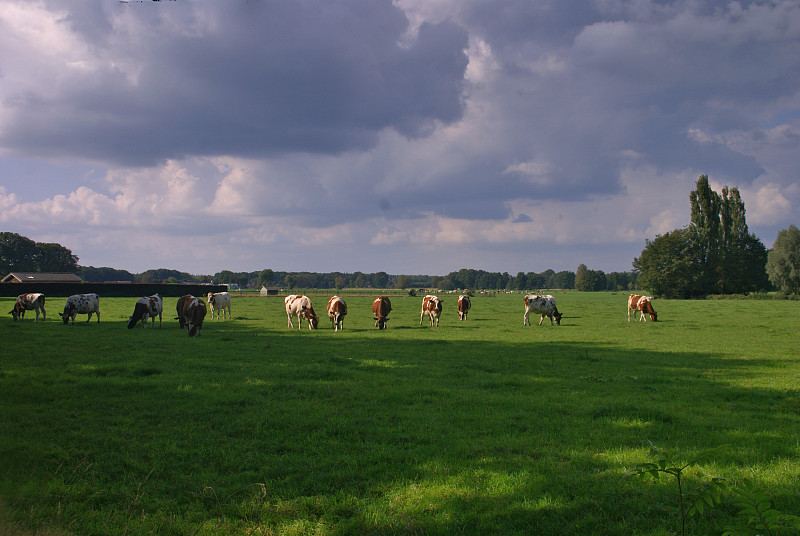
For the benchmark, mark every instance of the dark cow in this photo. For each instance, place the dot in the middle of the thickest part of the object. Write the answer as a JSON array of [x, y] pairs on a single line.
[[28, 302], [219, 301], [83, 304], [147, 307], [337, 309], [182, 301], [381, 308], [192, 314], [431, 306], [463, 307], [300, 306], [543, 305], [637, 302]]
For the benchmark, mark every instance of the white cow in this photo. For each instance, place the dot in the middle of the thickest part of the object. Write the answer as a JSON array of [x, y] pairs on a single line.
[[300, 306], [81, 304], [147, 307], [219, 301], [28, 302], [543, 305]]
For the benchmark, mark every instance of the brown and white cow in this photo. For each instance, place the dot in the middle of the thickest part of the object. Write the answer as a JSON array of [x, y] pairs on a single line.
[[300, 306], [182, 301], [28, 302], [381, 307], [541, 305], [219, 301], [192, 313], [337, 309], [464, 305], [431, 306], [637, 302], [147, 307], [83, 304]]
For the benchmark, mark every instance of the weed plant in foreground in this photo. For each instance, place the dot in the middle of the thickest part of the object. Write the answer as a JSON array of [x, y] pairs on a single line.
[[475, 427]]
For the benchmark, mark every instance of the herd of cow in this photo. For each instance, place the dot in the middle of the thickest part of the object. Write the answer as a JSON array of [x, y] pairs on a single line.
[[192, 311]]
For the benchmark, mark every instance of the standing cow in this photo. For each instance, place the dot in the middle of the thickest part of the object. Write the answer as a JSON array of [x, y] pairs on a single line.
[[28, 302], [431, 306], [637, 302], [219, 301], [543, 305], [464, 306], [147, 307], [191, 313], [300, 306], [83, 304], [381, 307], [337, 309]]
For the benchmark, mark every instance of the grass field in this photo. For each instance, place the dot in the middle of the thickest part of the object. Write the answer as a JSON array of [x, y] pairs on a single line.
[[476, 427]]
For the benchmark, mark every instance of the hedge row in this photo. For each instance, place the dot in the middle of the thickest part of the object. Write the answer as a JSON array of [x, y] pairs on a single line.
[[109, 290]]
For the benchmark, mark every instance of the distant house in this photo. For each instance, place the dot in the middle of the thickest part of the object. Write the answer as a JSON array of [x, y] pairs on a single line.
[[41, 277], [269, 291]]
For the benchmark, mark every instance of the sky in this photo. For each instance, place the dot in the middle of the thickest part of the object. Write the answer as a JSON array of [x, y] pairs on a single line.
[[405, 136]]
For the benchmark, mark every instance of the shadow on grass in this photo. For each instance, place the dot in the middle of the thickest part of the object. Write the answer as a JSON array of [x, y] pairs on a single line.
[[370, 433]]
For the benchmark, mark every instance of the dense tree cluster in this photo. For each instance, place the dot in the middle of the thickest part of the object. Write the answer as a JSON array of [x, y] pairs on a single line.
[[783, 260], [715, 254], [21, 254]]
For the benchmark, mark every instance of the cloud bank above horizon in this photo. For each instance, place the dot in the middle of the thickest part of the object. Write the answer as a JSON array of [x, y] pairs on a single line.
[[405, 136]]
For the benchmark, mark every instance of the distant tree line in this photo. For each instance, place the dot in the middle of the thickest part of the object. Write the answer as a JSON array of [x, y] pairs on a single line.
[[18, 253]]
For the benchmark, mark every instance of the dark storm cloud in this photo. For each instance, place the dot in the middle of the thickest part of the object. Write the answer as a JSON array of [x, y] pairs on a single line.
[[594, 80], [252, 79]]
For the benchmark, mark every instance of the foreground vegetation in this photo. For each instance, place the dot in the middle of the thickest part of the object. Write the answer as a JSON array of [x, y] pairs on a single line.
[[477, 427]]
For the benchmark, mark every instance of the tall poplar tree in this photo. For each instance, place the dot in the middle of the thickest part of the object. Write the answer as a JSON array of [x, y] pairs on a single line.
[[716, 254]]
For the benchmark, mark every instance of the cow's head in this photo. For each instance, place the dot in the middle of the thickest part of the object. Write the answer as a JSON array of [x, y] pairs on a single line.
[[14, 313], [313, 319], [381, 321], [557, 318], [67, 314]]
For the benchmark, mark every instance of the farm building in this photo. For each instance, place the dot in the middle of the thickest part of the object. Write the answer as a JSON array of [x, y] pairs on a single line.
[[41, 277]]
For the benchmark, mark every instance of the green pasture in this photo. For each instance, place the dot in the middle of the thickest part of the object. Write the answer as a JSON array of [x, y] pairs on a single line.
[[476, 427]]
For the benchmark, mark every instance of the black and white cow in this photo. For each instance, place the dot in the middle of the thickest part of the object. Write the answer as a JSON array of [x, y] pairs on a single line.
[[28, 302], [541, 305], [147, 307], [81, 304]]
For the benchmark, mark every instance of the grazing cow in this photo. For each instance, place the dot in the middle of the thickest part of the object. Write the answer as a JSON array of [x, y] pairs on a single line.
[[193, 312], [182, 301], [219, 301], [147, 307], [431, 306], [381, 307], [300, 306], [28, 302], [463, 307], [337, 309], [81, 304], [637, 302], [543, 305]]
